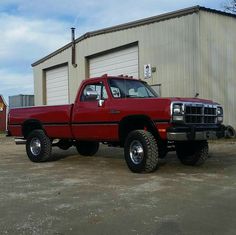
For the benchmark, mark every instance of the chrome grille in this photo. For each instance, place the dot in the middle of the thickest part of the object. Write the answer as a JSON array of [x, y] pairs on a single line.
[[200, 113]]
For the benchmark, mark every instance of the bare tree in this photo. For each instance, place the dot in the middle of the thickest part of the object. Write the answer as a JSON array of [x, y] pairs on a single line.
[[230, 6]]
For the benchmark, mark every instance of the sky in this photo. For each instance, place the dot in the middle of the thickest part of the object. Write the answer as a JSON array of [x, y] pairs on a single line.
[[31, 29]]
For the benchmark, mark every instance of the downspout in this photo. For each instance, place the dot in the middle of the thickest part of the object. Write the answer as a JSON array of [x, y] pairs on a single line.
[[7, 111], [73, 52]]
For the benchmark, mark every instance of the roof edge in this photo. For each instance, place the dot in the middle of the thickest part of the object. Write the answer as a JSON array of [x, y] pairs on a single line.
[[149, 20], [52, 54], [131, 24]]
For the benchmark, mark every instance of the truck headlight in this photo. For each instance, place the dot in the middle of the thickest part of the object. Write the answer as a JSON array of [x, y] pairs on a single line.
[[219, 113], [177, 109], [177, 112]]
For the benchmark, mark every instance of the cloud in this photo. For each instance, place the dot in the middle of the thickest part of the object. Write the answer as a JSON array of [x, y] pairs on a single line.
[[90, 15], [15, 83], [33, 29], [25, 40]]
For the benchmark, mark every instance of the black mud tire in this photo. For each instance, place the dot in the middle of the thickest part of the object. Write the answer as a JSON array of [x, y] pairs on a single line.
[[141, 152], [192, 153], [38, 146], [87, 148]]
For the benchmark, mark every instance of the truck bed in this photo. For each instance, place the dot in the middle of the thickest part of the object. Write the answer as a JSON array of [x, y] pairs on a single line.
[[50, 117]]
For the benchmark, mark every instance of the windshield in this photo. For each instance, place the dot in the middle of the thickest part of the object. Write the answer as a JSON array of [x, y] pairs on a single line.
[[125, 88]]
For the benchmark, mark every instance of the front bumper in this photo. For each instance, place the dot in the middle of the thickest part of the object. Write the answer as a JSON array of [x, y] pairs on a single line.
[[186, 133]]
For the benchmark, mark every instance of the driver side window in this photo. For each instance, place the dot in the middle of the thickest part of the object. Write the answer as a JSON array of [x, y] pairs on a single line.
[[93, 92]]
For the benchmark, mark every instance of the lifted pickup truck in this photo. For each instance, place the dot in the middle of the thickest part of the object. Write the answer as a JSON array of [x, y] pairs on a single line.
[[125, 112]]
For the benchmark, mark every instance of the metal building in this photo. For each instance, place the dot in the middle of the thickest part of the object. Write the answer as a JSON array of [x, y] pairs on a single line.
[[18, 101], [3, 114], [188, 51]]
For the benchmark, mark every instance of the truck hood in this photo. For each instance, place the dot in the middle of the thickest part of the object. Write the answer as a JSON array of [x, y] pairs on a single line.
[[194, 100], [156, 108]]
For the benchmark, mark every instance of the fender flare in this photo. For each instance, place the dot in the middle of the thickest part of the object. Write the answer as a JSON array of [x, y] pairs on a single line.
[[29, 125]]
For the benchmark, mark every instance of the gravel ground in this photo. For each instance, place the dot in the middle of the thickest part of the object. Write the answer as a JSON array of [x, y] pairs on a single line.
[[99, 195]]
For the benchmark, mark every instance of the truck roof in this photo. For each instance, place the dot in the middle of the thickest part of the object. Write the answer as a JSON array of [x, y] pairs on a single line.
[[106, 76]]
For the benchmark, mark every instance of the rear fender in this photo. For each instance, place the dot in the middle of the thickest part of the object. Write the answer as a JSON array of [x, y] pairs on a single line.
[[30, 125]]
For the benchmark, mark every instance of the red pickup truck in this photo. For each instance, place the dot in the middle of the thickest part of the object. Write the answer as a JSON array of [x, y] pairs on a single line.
[[125, 112]]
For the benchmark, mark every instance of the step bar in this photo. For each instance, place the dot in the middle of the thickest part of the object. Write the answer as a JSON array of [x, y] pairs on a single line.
[[19, 141]]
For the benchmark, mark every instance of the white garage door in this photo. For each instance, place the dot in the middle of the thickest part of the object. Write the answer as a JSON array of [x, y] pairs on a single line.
[[115, 63], [57, 86]]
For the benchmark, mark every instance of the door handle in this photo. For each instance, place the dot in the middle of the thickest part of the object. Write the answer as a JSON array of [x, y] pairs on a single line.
[[114, 111]]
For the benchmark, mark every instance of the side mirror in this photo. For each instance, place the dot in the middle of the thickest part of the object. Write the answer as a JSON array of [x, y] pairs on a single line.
[[91, 95]]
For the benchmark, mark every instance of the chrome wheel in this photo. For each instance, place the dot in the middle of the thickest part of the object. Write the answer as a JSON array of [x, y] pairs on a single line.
[[136, 152], [35, 146]]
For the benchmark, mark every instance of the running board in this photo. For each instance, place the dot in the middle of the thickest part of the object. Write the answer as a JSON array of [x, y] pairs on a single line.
[[20, 141]]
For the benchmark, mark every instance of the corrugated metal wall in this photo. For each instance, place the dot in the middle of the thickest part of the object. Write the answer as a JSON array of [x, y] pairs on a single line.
[[218, 62], [17, 101]]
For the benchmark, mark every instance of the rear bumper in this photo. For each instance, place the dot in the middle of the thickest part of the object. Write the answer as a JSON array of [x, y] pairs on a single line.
[[195, 133]]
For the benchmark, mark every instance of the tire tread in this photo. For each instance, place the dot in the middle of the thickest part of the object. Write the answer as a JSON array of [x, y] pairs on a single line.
[[45, 155], [194, 154], [151, 158]]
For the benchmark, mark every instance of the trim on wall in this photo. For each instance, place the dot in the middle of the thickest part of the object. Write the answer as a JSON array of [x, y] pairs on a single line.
[[55, 66], [113, 50]]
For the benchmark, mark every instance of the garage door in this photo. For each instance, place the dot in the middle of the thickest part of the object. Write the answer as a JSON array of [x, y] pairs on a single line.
[[119, 62], [57, 86]]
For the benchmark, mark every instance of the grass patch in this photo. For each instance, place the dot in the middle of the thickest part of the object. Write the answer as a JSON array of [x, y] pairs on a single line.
[[2, 133]]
